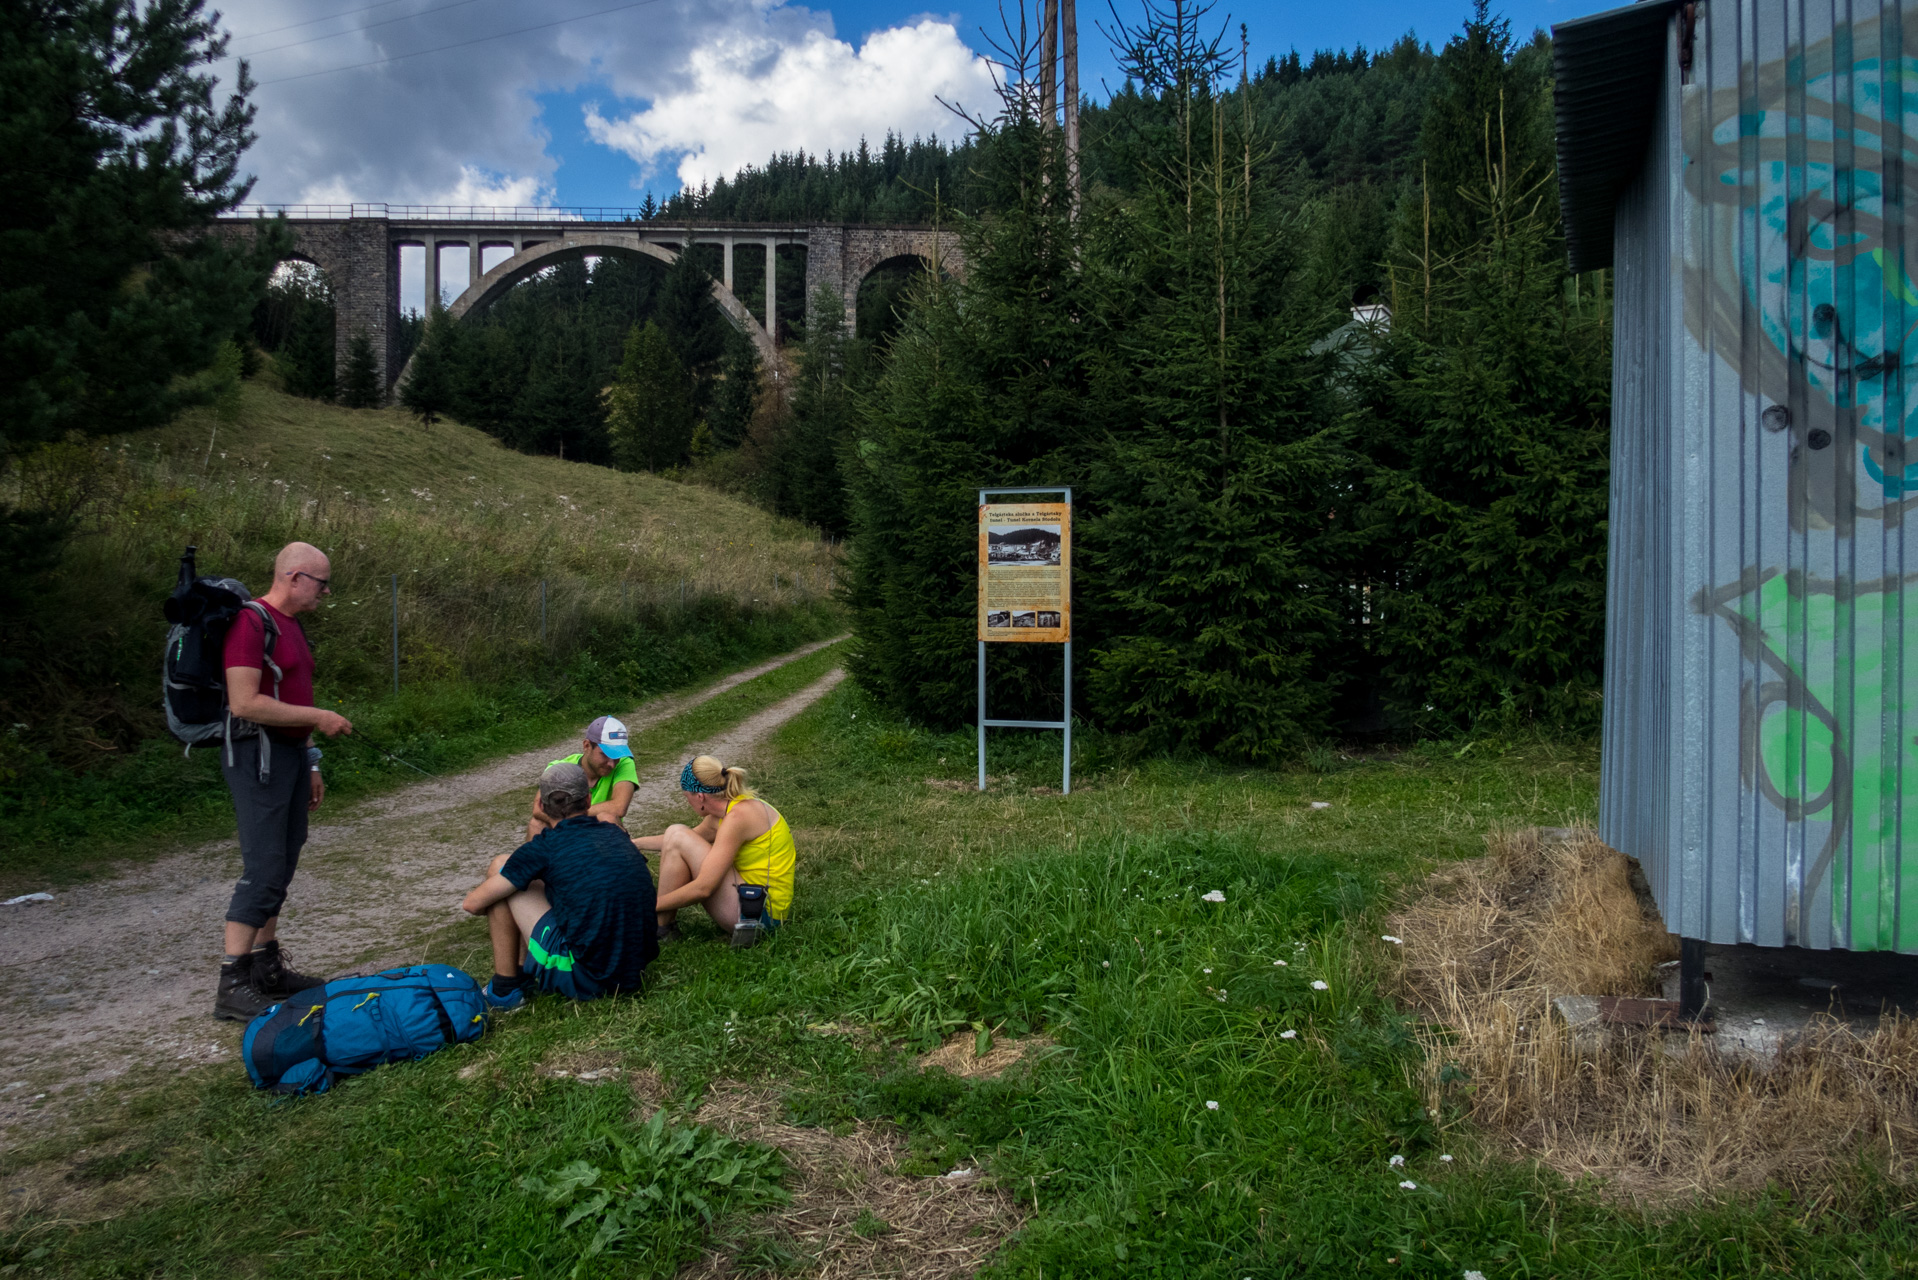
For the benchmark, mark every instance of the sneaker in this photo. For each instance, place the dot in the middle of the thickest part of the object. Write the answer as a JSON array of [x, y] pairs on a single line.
[[238, 1000], [514, 999], [272, 978], [747, 934]]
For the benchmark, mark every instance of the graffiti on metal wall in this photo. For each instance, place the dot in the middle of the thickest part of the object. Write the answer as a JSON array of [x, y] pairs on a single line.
[[1801, 182]]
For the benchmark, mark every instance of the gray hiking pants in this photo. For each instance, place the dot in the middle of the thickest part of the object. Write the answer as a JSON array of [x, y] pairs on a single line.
[[272, 819]]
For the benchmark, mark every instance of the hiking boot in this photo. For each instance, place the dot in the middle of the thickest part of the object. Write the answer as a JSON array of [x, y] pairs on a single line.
[[513, 999], [237, 999], [271, 977]]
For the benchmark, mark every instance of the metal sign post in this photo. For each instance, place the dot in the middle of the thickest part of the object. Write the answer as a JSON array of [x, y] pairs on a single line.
[[1032, 625]]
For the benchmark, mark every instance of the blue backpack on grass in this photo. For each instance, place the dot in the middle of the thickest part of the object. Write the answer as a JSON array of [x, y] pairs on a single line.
[[351, 1025]]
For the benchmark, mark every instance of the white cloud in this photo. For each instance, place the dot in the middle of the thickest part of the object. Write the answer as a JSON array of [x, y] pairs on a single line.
[[750, 94], [478, 187], [697, 87]]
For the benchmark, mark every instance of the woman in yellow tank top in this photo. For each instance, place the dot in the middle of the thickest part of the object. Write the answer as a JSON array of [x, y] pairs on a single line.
[[740, 839]]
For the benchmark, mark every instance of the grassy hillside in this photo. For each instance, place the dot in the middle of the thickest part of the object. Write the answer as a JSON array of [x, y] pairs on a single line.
[[528, 588]]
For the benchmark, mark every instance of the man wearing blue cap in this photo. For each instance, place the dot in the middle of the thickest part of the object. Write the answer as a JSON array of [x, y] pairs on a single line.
[[608, 763]]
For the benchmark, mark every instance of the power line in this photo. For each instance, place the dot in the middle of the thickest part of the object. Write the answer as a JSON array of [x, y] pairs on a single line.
[[502, 35], [383, 22], [328, 17]]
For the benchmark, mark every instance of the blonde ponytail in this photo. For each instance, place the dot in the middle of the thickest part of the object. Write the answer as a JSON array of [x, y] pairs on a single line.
[[713, 774]]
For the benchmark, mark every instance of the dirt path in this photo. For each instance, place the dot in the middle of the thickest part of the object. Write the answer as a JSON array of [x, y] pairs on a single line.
[[119, 974]]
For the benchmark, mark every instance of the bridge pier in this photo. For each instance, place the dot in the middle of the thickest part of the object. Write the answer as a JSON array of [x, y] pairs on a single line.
[[772, 289], [431, 298]]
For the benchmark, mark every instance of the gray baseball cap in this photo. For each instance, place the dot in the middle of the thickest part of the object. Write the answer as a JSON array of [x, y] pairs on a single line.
[[565, 779]]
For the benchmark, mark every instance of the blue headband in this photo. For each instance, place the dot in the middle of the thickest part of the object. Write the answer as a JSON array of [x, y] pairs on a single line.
[[689, 781]]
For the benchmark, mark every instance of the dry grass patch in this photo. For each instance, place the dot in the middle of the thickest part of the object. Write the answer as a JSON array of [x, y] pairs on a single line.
[[588, 1066], [1489, 944], [959, 1055], [851, 1215]]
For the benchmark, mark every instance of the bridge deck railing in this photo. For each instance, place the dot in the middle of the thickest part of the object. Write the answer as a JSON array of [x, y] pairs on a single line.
[[440, 212]]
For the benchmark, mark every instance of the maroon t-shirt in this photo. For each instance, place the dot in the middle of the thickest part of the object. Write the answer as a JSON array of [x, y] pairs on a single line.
[[246, 647]]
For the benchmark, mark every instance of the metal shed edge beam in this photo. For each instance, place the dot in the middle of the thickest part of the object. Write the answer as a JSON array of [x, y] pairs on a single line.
[[1607, 68]]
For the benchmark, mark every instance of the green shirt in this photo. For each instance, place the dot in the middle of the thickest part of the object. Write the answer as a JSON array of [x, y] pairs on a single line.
[[623, 771]]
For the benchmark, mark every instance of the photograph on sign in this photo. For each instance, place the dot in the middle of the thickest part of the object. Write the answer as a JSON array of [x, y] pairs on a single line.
[[1025, 572], [1033, 544]]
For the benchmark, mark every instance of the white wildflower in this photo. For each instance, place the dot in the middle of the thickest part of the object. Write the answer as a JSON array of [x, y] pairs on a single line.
[[1321, 804], [1106, 964], [1445, 1159], [1280, 964], [1205, 971], [1221, 997], [1474, 1275], [1408, 1185], [1319, 984], [1211, 1105], [1397, 1162], [1386, 937], [1288, 1035], [1217, 895]]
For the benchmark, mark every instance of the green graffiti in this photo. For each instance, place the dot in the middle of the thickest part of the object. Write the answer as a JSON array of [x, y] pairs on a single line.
[[1831, 732]]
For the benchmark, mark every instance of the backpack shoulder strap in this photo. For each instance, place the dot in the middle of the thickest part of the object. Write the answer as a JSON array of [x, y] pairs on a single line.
[[272, 634]]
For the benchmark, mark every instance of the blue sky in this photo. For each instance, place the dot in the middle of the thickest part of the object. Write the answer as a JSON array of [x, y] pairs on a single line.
[[423, 101]]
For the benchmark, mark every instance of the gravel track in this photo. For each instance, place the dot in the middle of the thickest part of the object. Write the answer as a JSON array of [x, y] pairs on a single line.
[[118, 975]]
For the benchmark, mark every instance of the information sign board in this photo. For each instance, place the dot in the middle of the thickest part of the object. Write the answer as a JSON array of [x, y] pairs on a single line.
[[1025, 572]]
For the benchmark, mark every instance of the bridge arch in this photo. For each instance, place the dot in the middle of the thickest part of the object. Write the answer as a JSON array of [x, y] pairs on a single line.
[[875, 294], [596, 242]]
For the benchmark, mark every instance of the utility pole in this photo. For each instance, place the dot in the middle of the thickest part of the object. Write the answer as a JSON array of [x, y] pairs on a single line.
[[1069, 22], [1049, 66]]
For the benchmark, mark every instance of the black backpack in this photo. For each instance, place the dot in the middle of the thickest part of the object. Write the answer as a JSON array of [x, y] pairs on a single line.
[[193, 680]]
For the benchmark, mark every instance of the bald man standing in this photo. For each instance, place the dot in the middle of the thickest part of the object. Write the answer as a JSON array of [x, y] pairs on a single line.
[[273, 770]]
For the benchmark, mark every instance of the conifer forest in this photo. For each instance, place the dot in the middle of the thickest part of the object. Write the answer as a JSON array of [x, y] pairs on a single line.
[[1299, 334]]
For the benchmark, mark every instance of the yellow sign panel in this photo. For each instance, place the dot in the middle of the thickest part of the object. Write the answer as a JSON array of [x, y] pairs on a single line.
[[1025, 572]]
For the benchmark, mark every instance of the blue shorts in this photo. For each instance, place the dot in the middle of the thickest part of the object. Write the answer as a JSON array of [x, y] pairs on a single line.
[[549, 959]]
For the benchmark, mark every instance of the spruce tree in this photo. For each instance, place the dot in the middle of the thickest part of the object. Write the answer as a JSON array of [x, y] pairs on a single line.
[[305, 360], [803, 464], [360, 386], [431, 388], [988, 382], [1217, 541], [649, 413], [1488, 435], [561, 409], [736, 395], [690, 321], [1487, 100], [489, 373], [116, 158]]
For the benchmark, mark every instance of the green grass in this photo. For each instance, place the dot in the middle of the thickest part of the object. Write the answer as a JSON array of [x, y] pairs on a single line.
[[649, 586], [925, 912]]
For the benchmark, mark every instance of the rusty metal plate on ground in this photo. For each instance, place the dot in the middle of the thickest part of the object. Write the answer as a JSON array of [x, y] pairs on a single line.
[[1633, 1011]]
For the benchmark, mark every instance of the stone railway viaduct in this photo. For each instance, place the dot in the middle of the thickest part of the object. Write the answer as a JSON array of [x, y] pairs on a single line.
[[358, 247]]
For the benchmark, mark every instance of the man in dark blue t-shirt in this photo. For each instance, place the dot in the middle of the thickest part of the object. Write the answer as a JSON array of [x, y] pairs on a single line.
[[573, 909]]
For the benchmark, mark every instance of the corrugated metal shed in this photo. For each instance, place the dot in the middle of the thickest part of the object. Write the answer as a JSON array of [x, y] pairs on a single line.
[[1761, 710], [1607, 70]]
